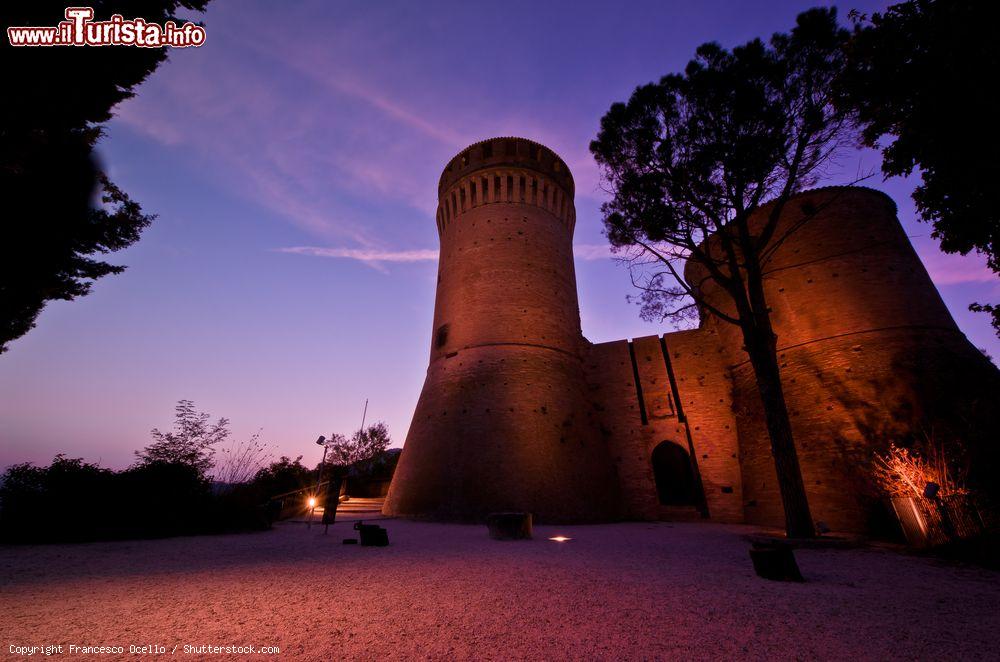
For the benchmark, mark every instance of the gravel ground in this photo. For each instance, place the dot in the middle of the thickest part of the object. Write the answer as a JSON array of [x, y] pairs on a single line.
[[637, 590]]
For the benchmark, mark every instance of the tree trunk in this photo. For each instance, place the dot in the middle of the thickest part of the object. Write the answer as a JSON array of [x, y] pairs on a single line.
[[764, 359]]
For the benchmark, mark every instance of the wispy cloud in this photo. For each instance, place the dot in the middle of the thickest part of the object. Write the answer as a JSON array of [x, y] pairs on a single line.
[[370, 257], [322, 165], [365, 254], [591, 252], [377, 257], [953, 269]]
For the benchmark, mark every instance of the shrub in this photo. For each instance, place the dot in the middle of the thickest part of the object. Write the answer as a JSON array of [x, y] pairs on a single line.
[[903, 472], [285, 475], [73, 501]]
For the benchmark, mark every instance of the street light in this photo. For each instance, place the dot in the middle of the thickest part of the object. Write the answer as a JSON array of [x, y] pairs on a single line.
[[326, 443], [319, 480]]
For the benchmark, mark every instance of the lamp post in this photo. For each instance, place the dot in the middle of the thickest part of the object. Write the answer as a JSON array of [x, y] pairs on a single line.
[[325, 443], [319, 480]]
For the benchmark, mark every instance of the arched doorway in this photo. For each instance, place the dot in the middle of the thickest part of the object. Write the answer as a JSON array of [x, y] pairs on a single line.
[[673, 475]]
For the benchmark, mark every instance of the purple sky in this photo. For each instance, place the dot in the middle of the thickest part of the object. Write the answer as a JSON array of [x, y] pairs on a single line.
[[293, 161]]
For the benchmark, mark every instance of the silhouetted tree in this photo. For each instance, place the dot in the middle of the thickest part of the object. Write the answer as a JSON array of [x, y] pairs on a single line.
[[57, 100], [284, 475], [918, 78], [695, 156], [192, 442], [73, 500], [363, 447]]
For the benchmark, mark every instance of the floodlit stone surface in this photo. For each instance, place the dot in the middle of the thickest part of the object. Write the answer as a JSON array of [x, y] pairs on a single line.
[[520, 412], [446, 591], [503, 422]]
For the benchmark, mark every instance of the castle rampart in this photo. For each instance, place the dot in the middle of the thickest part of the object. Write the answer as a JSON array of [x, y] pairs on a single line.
[[503, 421], [519, 411]]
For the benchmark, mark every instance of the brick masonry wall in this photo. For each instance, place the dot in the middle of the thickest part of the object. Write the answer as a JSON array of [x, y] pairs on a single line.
[[705, 390], [503, 421], [867, 349], [615, 406], [502, 428], [848, 397], [520, 412], [703, 385]]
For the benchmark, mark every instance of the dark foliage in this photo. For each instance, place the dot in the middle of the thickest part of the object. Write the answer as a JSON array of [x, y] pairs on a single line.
[[36, 501], [73, 501], [371, 478], [918, 78], [285, 475], [382, 466], [992, 310], [695, 156], [192, 442], [61, 210], [361, 450]]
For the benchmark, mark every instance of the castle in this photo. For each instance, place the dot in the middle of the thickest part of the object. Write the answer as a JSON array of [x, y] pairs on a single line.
[[520, 412]]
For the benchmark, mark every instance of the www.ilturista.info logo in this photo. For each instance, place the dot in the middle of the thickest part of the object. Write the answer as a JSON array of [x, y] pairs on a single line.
[[79, 29]]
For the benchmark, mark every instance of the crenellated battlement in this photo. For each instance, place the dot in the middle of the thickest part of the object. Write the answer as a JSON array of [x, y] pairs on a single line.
[[506, 170], [508, 152], [506, 185]]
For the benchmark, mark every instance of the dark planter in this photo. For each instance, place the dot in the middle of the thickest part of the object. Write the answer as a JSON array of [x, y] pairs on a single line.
[[930, 522], [509, 526]]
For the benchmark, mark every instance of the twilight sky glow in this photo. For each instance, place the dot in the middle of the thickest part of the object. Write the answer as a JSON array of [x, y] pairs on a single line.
[[293, 161]]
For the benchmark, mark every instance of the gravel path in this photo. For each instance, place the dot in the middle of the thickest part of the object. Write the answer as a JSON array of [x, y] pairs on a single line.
[[681, 591]]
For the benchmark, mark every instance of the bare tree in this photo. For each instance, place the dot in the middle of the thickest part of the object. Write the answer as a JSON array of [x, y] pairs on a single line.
[[238, 462]]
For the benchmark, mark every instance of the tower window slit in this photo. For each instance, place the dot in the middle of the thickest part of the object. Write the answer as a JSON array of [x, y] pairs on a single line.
[[472, 192], [510, 188], [496, 189], [522, 189], [485, 186], [534, 191]]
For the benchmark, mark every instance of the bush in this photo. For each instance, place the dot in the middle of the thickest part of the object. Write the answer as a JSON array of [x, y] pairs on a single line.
[[285, 475], [58, 501], [73, 501]]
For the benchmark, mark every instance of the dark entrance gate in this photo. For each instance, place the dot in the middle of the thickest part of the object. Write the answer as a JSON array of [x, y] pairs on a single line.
[[673, 475]]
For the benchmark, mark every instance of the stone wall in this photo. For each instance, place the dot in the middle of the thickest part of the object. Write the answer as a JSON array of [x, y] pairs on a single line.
[[519, 412], [866, 347], [503, 421]]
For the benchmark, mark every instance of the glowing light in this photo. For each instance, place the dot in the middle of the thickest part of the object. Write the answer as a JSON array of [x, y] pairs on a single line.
[[559, 538], [312, 502]]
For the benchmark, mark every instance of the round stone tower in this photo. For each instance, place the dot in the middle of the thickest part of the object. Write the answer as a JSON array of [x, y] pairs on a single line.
[[868, 352], [502, 421]]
